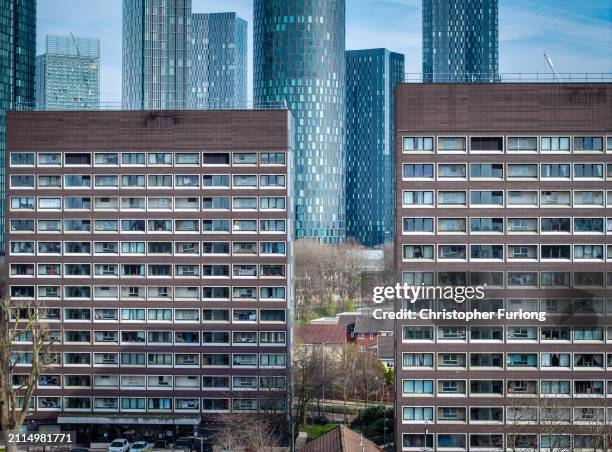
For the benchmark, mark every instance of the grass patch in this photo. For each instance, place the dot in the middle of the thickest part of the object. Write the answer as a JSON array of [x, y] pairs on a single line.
[[314, 431]]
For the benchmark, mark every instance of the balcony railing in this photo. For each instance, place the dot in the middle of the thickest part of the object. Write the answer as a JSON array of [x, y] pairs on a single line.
[[155, 105], [510, 77]]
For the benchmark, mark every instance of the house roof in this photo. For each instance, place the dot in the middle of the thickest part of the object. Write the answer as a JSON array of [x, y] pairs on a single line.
[[368, 324], [319, 333], [341, 439], [386, 347]]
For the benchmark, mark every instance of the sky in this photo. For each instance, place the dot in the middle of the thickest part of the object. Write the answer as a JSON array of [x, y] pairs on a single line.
[[577, 34]]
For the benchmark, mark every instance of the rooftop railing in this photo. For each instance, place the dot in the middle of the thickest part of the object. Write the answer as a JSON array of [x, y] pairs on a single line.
[[153, 105], [510, 77]]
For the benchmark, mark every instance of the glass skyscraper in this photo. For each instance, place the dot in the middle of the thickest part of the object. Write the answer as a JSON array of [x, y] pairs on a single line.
[[156, 54], [68, 74], [299, 58], [218, 61], [460, 41], [371, 77], [17, 71]]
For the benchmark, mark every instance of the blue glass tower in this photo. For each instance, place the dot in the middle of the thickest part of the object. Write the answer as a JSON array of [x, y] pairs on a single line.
[[218, 61], [371, 77], [299, 58], [17, 73], [68, 74], [156, 54], [460, 41]]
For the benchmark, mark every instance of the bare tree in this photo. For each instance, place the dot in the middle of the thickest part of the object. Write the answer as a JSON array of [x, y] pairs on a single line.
[[21, 324], [245, 432], [327, 277], [369, 375], [347, 365], [313, 370]]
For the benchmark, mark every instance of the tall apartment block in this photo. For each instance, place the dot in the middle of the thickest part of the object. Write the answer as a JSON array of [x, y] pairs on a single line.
[[299, 58], [218, 61], [68, 74], [17, 70], [505, 186], [158, 247], [371, 77], [460, 41], [156, 54]]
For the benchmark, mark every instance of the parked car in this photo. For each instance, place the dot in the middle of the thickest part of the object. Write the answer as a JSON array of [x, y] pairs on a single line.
[[139, 446], [119, 445], [160, 444]]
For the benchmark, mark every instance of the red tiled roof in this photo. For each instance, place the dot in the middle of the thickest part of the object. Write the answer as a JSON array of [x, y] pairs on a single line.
[[341, 439], [320, 333]]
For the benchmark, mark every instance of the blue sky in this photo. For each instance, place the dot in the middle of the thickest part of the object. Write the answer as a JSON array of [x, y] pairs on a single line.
[[576, 33]]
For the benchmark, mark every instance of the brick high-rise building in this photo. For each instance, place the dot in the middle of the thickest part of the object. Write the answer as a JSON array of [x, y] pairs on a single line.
[[505, 186], [160, 246]]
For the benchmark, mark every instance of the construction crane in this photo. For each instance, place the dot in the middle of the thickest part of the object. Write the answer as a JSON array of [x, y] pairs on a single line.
[[552, 67], [76, 46]]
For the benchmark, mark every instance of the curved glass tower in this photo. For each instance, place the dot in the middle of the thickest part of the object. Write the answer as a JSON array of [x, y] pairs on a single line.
[[460, 41], [299, 58]]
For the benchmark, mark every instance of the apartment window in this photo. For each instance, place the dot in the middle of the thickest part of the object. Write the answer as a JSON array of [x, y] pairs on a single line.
[[419, 198], [595, 252], [183, 158], [556, 171], [215, 270], [25, 203], [106, 181], [160, 225], [523, 171], [412, 144], [77, 181], [22, 159], [451, 252], [562, 225], [271, 180], [457, 198], [555, 144], [418, 278], [216, 203], [73, 158], [587, 225], [418, 225], [555, 279], [555, 252], [418, 251], [106, 158], [215, 158], [216, 180], [417, 414], [50, 159], [417, 387], [452, 144], [417, 359], [588, 170], [588, 198], [418, 333], [241, 181], [159, 181], [452, 225], [487, 251], [486, 360], [160, 158], [272, 203], [481, 225], [418, 170], [272, 158], [527, 144], [494, 144], [133, 181], [20, 181], [133, 158], [487, 170], [272, 248], [46, 182], [486, 197], [588, 144], [452, 171]]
